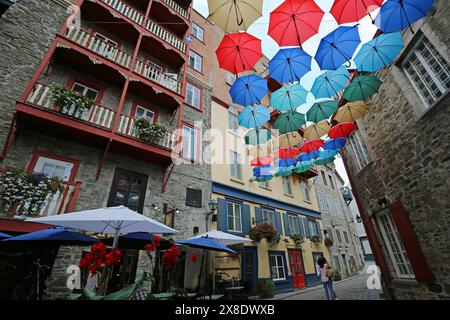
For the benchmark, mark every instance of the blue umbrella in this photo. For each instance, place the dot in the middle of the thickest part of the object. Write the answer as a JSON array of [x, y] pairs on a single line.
[[335, 144], [337, 47], [254, 116], [4, 235], [396, 15], [263, 171], [326, 157], [285, 163], [54, 234], [309, 156], [289, 97], [379, 52], [329, 83], [289, 65], [206, 243], [248, 90]]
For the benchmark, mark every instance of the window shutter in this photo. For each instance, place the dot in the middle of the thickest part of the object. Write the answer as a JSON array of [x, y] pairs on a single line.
[[287, 229], [258, 216], [300, 226], [193, 198], [319, 231], [246, 220], [307, 231], [412, 246], [278, 225], [221, 215]]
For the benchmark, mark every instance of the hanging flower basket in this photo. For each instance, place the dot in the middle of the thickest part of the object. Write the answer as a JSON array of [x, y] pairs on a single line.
[[70, 102], [297, 238], [316, 240], [150, 132], [265, 231]]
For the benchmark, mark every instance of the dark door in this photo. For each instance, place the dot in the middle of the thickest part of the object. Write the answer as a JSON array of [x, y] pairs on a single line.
[[128, 189], [249, 269], [298, 274]]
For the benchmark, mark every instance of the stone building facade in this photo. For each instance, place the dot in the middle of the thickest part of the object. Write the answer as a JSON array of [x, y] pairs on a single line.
[[128, 69], [399, 164]]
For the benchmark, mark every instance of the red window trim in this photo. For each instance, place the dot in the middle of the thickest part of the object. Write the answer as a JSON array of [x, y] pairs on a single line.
[[108, 35], [200, 108], [201, 69], [409, 239], [51, 155], [199, 133], [93, 85], [146, 106]]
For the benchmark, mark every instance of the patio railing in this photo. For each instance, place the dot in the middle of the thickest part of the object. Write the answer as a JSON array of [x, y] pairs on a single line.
[[168, 81], [175, 6]]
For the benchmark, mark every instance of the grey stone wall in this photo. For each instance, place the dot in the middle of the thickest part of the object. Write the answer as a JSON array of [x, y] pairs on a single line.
[[409, 144]]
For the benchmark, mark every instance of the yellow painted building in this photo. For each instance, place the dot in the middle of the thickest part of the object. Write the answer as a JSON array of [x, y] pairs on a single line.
[[289, 205]]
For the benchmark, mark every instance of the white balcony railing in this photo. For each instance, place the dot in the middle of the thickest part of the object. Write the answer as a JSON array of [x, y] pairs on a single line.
[[41, 96], [126, 10], [85, 39], [169, 81], [165, 35], [175, 6], [127, 127]]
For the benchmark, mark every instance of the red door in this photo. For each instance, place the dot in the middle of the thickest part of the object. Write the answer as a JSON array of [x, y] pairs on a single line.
[[298, 274]]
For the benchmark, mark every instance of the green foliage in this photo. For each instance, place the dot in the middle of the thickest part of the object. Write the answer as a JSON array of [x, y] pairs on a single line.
[[337, 274], [316, 240], [297, 238], [266, 288], [70, 100], [150, 132], [265, 231]]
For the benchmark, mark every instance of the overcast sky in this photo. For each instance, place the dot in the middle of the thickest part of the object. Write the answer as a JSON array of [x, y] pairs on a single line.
[[260, 27]]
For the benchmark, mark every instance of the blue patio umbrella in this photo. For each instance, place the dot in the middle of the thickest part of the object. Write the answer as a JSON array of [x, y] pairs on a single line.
[[325, 157], [289, 97], [335, 144], [206, 243], [248, 90], [4, 235], [329, 83], [379, 52], [303, 166], [54, 234], [337, 47], [263, 171], [289, 65], [396, 15], [285, 163], [312, 156], [254, 116]]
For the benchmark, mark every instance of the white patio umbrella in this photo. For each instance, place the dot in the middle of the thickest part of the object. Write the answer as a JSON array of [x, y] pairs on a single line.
[[224, 238], [113, 220]]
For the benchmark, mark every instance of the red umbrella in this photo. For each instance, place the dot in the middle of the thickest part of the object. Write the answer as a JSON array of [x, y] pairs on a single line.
[[345, 11], [261, 161], [294, 22], [342, 130], [312, 145], [239, 52], [286, 153]]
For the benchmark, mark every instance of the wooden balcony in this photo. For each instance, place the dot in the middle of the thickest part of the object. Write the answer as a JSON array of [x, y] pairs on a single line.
[[175, 6], [165, 35], [168, 81], [126, 10]]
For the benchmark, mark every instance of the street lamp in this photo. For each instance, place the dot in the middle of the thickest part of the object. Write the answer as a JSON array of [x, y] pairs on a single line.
[[212, 205]]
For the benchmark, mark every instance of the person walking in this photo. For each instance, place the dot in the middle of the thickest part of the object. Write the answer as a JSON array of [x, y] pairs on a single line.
[[325, 272]]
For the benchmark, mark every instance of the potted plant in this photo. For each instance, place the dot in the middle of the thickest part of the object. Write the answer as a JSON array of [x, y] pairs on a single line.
[[150, 132], [68, 101], [328, 242], [265, 231], [266, 288], [297, 238], [337, 275], [316, 240]]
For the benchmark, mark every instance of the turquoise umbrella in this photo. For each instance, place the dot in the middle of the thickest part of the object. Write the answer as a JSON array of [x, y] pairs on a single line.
[[329, 83], [361, 88], [254, 116], [326, 157], [289, 97], [284, 172], [303, 166], [379, 52], [256, 136], [289, 121], [322, 110]]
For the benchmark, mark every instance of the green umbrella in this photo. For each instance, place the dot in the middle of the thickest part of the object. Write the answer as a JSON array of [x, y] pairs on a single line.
[[257, 136], [361, 88], [303, 166], [289, 121], [264, 179], [322, 110], [283, 172], [324, 161]]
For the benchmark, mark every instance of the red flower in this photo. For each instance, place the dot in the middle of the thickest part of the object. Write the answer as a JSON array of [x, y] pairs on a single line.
[[194, 257], [170, 257], [156, 241], [150, 247]]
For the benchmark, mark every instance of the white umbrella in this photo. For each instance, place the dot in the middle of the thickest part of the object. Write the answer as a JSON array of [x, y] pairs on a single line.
[[227, 239], [114, 220]]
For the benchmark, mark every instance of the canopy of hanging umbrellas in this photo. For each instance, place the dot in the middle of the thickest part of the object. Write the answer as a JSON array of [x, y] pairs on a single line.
[[304, 140]]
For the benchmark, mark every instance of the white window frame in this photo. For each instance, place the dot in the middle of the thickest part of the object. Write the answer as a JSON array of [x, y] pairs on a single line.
[[237, 217], [305, 191], [198, 32], [235, 165], [197, 61], [359, 149], [110, 48], [391, 238], [193, 96], [192, 142], [266, 213], [287, 186], [85, 89], [42, 161], [293, 226], [311, 224], [277, 266], [146, 113], [425, 64]]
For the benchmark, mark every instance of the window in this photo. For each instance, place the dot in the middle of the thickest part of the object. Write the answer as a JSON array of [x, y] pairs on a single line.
[[428, 71], [277, 267], [330, 234], [311, 225], [324, 179], [359, 149], [195, 61], [234, 217], [293, 226], [306, 194], [190, 143], [338, 235], [233, 123], [193, 96], [346, 236], [105, 47], [193, 198], [265, 184], [142, 112], [198, 32], [128, 189], [54, 168], [394, 245], [154, 65], [331, 207], [85, 90], [230, 78], [235, 165], [331, 182], [268, 217], [5, 4], [322, 202], [287, 186]]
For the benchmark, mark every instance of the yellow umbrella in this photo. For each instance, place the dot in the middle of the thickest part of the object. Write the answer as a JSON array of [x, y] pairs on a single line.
[[234, 15], [288, 140], [316, 130], [351, 112], [261, 150]]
